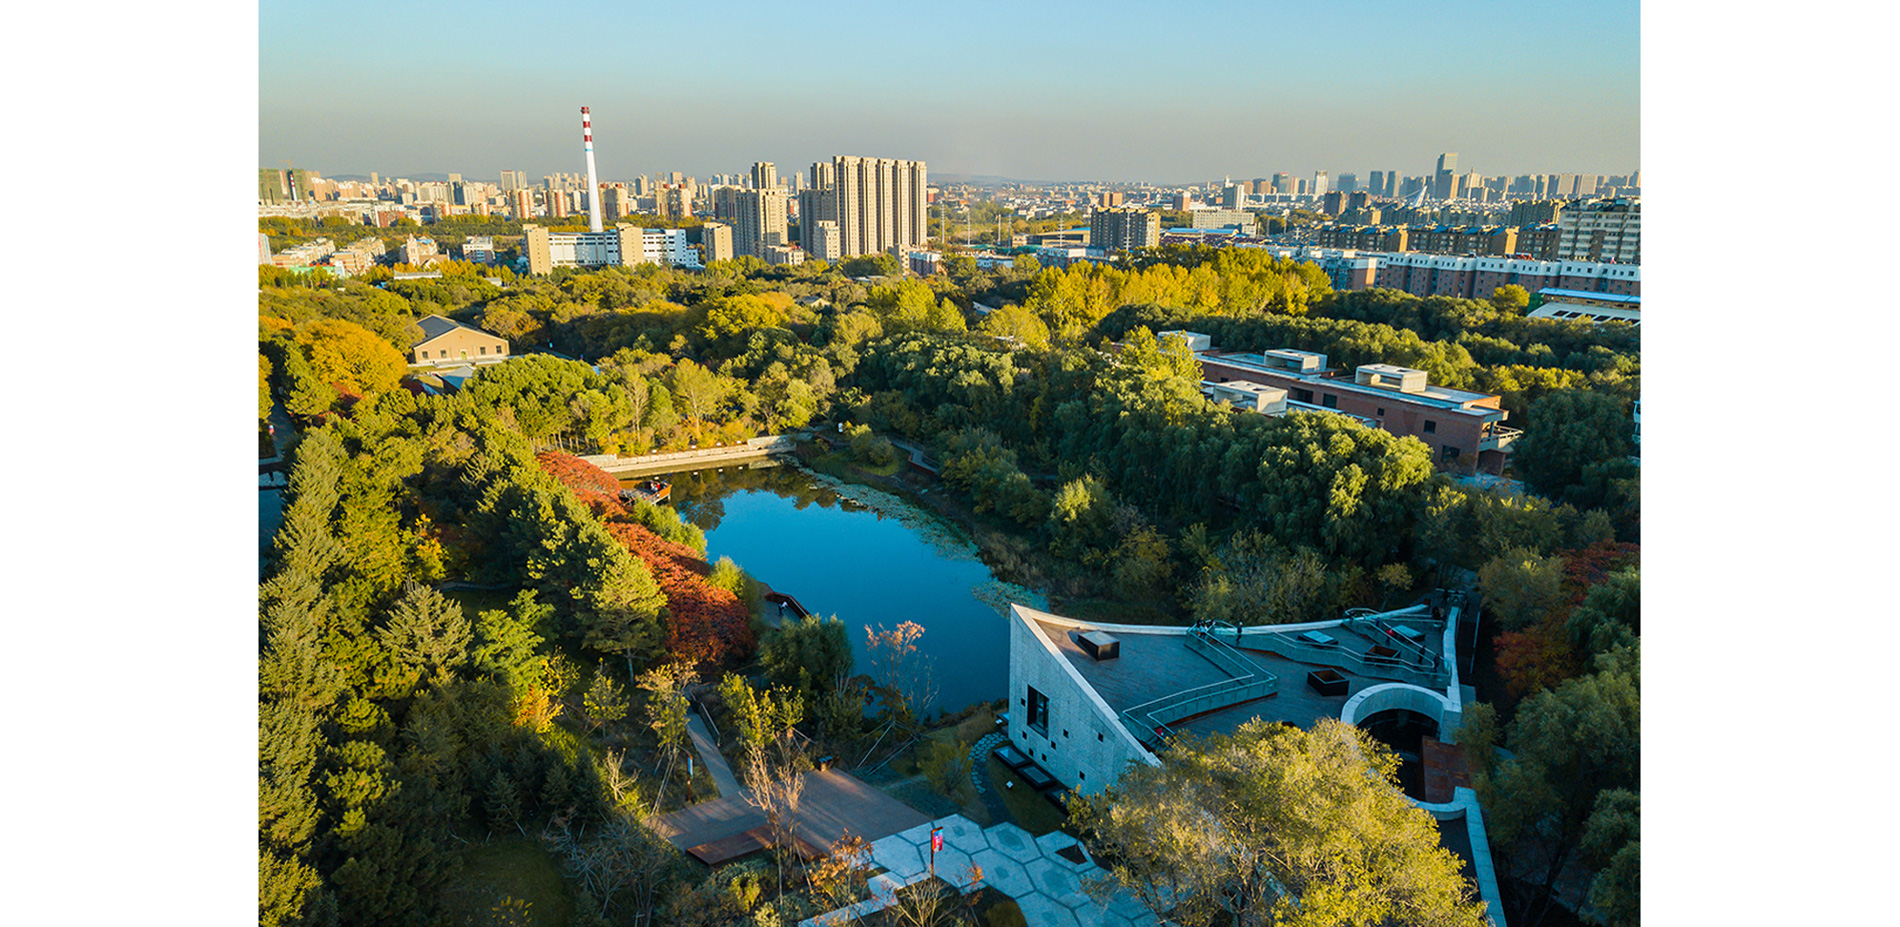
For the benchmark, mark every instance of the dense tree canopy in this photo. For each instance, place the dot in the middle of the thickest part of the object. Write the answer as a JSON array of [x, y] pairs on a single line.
[[1275, 825]]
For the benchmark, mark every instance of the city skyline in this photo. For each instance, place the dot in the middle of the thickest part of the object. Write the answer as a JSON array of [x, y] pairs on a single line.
[[1059, 92]]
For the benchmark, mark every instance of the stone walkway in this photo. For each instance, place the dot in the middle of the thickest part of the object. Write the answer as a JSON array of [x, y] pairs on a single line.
[[1046, 885], [979, 764]]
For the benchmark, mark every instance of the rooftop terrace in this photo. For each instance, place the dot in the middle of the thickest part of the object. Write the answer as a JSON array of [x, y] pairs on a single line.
[[1158, 662]]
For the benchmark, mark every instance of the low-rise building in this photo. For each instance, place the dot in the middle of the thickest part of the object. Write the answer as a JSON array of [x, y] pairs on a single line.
[[419, 250], [1461, 427], [1582, 306], [448, 343], [480, 249], [305, 255]]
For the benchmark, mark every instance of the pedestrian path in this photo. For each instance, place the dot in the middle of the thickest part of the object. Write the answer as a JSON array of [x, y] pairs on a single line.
[[1033, 871], [979, 767], [710, 757]]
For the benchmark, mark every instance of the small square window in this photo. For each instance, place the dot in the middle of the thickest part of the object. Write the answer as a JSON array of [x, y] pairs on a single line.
[[1431, 427]]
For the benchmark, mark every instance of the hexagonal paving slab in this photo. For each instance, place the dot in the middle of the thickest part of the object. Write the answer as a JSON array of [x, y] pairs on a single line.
[[1040, 911], [1092, 916], [897, 856], [962, 833], [1003, 874], [1053, 841], [951, 865], [918, 836], [1014, 842], [1057, 882]]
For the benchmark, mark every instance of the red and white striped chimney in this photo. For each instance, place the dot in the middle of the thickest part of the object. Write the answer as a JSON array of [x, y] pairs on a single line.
[[593, 179]]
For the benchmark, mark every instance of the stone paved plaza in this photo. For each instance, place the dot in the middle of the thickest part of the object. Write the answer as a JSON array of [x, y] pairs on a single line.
[[1047, 886]]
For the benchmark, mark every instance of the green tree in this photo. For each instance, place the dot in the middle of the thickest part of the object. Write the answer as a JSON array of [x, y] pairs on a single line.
[[1013, 321], [1521, 588], [1510, 299], [604, 702], [1567, 432], [698, 391], [426, 639], [811, 654], [263, 389], [1612, 843], [1567, 746], [507, 644], [1275, 825], [666, 711], [1611, 612]]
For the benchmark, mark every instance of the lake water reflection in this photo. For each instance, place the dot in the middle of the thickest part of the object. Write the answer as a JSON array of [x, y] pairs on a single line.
[[838, 556]]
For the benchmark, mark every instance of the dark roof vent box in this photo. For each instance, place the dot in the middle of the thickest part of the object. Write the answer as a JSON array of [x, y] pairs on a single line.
[[1099, 644]]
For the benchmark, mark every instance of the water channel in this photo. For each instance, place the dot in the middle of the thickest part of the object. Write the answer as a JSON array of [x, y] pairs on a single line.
[[865, 556]]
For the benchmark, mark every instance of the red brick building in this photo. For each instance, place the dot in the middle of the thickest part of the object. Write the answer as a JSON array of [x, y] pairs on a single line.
[[1462, 428]]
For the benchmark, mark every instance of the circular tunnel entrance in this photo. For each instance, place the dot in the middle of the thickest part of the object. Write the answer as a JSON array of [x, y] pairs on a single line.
[[1404, 731]]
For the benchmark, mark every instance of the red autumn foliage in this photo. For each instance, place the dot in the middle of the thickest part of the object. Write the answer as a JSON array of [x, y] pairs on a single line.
[[596, 488], [1542, 655], [704, 622]]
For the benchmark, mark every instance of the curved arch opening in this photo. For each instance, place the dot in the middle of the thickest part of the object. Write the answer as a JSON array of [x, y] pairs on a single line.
[[1404, 730]]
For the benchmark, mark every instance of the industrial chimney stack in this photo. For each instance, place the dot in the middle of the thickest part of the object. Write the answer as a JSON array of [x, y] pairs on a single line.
[[593, 180]]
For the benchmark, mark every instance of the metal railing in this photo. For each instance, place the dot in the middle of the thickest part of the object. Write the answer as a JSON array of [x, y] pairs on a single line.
[[1150, 721], [1285, 645]]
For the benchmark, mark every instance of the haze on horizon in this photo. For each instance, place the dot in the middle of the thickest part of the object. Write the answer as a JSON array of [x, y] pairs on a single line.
[[1105, 90]]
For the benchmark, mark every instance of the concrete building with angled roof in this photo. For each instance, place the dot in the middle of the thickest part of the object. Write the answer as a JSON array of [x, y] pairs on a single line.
[[448, 343], [1088, 699]]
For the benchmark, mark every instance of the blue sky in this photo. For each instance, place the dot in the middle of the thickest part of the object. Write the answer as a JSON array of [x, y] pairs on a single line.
[[1100, 90]]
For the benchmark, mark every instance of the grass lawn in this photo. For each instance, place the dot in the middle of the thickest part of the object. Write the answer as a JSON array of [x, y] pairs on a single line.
[[1031, 811], [510, 867]]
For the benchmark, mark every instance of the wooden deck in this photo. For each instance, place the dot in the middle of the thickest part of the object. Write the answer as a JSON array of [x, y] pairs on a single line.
[[834, 804]]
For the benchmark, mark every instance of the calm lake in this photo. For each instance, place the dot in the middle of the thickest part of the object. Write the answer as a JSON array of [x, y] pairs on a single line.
[[864, 556]]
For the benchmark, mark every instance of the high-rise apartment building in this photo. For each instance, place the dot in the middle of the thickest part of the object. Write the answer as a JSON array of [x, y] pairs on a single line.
[[822, 240], [1124, 229], [725, 202], [1321, 183], [1376, 184], [521, 202], [1445, 181], [674, 201], [616, 202], [879, 203], [758, 223], [764, 176], [1233, 197], [1347, 183], [556, 203], [1605, 230], [716, 238], [1283, 183]]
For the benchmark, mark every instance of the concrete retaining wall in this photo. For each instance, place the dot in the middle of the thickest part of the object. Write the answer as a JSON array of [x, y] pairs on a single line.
[[671, 461]]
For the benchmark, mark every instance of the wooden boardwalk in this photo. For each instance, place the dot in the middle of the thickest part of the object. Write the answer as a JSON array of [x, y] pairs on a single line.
[[834, 804]]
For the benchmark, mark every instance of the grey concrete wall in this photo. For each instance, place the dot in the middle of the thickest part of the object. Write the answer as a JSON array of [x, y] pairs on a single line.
[[1086, 747]]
